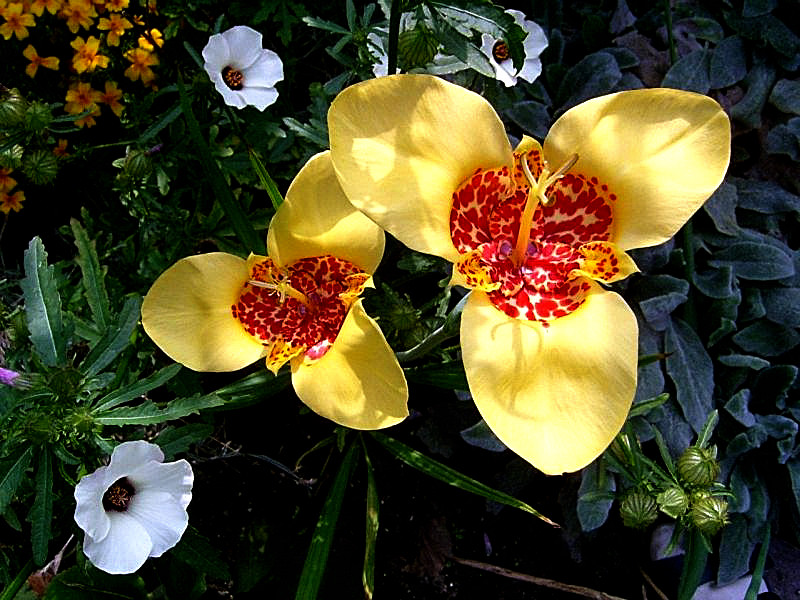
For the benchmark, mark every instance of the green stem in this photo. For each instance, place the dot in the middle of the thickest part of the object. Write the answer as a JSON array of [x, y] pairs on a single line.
[[447, 330], [394, 34], [693, 565], [673, 52], [14, 586]]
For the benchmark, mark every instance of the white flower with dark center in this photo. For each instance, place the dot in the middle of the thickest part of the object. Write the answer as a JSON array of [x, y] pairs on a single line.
[[242, 71], [134, 508], [500, 58]]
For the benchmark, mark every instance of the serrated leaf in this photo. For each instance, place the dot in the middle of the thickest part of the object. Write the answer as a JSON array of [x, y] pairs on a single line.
[[93, 277], [691, 370], [115, 340], [754, 261], [148, 413], [136, 389], [11, 473], [457, 45], [43, 307], [41, 513]]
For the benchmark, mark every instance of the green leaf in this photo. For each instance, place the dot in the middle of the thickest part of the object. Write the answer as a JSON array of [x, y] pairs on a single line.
[[11, 473], [785, 96], [761, 562], [765, 196], [735, 548], [794, 475], [161, 122], [147, 413], [785, 139], [372, 513], [200, 554], [43, 307], [322, 539], [691, 73], [480, 436], [692, 371], [176, 440], [595, 496], [532, 117], [41, 513], [253, 388], [449, 375], [139, 388], [759, 82], [754, 261], [783, 305], [693, 565], [728, 63], [452, 477], [266, 180], [93, 276], [594, 75], [767, 338], [738, 408], [115, 340], [721, 207]]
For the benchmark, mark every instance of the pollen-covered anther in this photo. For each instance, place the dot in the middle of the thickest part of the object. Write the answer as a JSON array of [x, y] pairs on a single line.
[[233, 78], [500, 51]]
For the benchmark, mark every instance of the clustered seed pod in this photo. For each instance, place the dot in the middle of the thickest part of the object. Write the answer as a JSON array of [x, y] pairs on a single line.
[[40, 166], [708, 513], [138, 164], [673, 501], [638, 510], [12, 109], [38, 117], [698, 467]]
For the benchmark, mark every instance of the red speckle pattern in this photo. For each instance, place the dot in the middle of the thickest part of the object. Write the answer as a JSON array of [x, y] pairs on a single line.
[[287, 325], [484, 222]]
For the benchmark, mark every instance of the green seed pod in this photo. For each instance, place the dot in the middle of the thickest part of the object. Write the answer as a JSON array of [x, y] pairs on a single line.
[[12, 110], [709, 513], [40, 166], [82, 422], [416, 47], [673, 501], [137, 164], [65, 383], [698, 467], [38, 117], [638, 510], [38, 428], [11, 156]]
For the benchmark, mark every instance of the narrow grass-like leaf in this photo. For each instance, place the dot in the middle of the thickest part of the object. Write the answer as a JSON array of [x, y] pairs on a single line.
[[266, 180], [41, 513], [115, 340], [444, 473], [137, 389], [317, 557], [43, 307], [253, 388], [693, 565], [165, 119], [93, 277], [233, 210], [10, 591], [11, 473], [372, 514], [758, 570], [147, 413]]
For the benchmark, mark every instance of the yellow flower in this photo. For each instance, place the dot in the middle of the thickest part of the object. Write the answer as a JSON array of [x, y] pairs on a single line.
[[78, 13], [111, 97], [49, 62], [7, 182], [80, 98], [116, 26], [9, 202], [116, 5], [17, 22], [52, 6], [141, 61], [550, 354], [87, 56], [219, 312], [61, 148], [151, 39]]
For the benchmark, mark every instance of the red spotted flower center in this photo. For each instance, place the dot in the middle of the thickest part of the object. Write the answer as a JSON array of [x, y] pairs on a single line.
[[298, 309], [532, 239]]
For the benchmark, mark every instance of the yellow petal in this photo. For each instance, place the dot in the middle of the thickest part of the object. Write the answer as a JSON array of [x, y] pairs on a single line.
[[662, 152], [316, 218], [555, 395], [402, 144], [358, 382], [188, 315]]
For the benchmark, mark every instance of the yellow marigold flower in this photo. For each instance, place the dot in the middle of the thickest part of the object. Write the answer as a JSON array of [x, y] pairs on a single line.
[[151, 39], [87, 56], [111, 97], [80, 98], [78, 13], [299, 305], [52, 6], [61, 148], [141, 61], [9, 202], [17, 22], [550, 354], [7, 182], [116, 26], [116, 5], [49, 62]]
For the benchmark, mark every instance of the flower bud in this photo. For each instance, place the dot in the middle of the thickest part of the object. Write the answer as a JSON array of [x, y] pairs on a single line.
[[138, 164], [65, 383], [38, 428], [673, 501], [709, 513], [12, 109], [11, 156], [698, 466], [40, 166], [638, 510], [37, 117]]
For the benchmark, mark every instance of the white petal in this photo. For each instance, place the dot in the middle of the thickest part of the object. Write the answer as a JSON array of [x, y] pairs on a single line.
[[162, 517], [89, 513], [129, 456], [503, 71], [245, 46], [217, 55], [173, 478], [259, 97], [530, 70], [231, 97], [123, 550], [265, 72]]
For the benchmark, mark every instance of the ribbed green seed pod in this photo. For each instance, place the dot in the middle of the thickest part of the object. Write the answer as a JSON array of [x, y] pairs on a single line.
[[417, 47], [138, 164], [673, 501], [37, 117], [638, 510], [40, 166], [698, 466], [709, 513], [12, 109]]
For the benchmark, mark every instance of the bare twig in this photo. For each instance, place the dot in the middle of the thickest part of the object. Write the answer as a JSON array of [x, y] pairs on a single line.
[[548, 583], [658, 592]]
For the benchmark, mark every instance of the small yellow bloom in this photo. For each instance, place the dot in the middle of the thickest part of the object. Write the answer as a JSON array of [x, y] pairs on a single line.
[[535, 232], [49, 62], [80, 98], [151, 39], [9, 202], [7, 182], [78, 13], [116, 5], [61, 148], [17, 22], [218, 312], [116, 26], [39, 6], [87, 56], [111, 97], [141, 61]]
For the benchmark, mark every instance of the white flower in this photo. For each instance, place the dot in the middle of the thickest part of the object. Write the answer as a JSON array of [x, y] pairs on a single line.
[[134, 508], [497, 51], [242, 71]]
